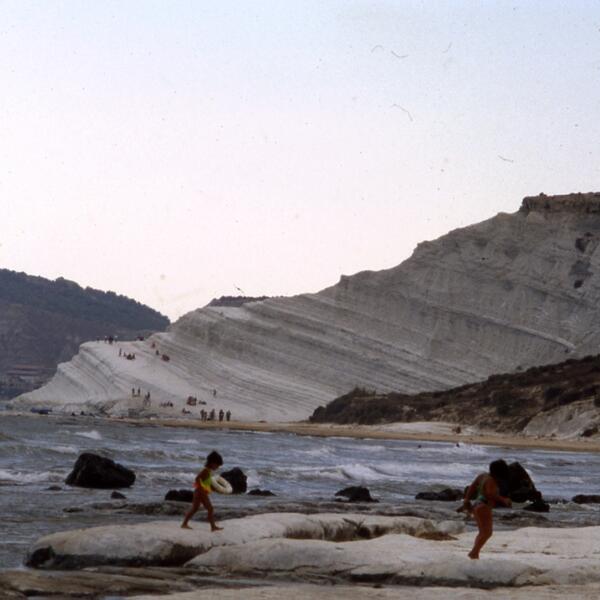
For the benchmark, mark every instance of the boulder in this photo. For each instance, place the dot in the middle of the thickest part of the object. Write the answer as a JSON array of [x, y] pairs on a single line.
[[356, 493], [445, 495], [538, 506], [118, 496], [93, 471], [586, 499], [179, 495], [238, 480], [257, 492], [520, 487], [54, 488]]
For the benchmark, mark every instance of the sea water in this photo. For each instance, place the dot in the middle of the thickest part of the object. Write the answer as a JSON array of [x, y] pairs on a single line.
[[38, 452]]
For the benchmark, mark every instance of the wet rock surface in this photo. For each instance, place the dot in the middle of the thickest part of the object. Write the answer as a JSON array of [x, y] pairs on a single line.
[[445, 495], [180, 495], [259, 492], [586, 499], [356, 493], [94, 471], [538, 506], [96, 583]]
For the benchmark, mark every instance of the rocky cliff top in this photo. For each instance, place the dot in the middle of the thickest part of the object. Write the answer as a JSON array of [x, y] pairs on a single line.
[[588, 202]]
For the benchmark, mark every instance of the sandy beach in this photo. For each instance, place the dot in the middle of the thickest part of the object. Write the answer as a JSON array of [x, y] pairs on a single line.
[[425, 432]]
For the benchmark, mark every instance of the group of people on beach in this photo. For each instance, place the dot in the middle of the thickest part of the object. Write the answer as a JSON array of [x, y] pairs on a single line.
[[481, 497], [206, 415]]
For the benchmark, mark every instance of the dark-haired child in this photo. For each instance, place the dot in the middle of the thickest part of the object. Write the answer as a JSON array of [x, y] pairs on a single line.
[[484, 493], [202, 489]]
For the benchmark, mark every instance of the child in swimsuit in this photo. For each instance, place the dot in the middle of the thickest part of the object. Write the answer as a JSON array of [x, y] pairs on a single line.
[[202, 489], [484, 493]]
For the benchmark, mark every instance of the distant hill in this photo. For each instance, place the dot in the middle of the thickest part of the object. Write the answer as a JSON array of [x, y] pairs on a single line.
[[559, 399], [43, 322]]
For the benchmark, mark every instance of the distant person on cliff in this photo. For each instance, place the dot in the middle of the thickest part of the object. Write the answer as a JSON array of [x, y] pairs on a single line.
[[483, 495], [228, 415], [202, 489]]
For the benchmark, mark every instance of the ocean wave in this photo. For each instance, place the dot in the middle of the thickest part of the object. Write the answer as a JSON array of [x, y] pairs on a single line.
[[320, 452], [254, 479], [346, 472], [402, 470], [460, 449], [10, 477], [64, 449], [90, 435], [183, 441]]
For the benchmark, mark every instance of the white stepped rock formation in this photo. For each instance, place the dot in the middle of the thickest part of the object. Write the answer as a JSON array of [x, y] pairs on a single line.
[[165, 543], [514, 291], [350, 548]]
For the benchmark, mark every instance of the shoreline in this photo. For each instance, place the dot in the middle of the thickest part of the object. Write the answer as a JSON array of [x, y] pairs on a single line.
[[376, 432], [409, 432]]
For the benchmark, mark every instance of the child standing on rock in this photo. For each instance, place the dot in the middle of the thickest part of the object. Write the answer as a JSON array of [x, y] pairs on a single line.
[[202, 489], [485, 494]]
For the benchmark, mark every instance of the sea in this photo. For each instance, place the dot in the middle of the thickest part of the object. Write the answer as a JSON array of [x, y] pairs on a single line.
[[38, 452]]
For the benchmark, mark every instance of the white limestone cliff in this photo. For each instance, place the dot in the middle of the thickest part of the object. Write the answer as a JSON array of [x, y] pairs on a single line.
[[514, 291]]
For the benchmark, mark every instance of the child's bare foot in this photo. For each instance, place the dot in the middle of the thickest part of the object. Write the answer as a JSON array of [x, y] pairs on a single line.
[[473, 556], [185, 526], [215, 528]]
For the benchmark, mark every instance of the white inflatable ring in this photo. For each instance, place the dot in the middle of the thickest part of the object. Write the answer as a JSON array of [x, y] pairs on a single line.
[[221, 485]]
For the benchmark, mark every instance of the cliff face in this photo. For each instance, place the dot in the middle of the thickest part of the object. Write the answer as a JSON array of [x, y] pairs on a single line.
[[43, 322], [511, 292]]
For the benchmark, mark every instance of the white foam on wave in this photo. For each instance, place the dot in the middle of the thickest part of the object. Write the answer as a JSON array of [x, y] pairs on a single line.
[[183, 441], [254, 479], [352, 471], [402, 470], [182, 478], [8, 476], [91, 435], [320, 452], [64, 449]]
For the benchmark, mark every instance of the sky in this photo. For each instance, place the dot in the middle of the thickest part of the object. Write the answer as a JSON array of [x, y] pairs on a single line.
[[177, 151]]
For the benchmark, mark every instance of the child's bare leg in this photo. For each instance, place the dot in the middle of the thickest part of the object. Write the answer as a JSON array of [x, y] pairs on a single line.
[[193, 510], [483, 515], [210, 514]]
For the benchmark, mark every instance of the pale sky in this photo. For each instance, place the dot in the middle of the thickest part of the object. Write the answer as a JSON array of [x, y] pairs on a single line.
[[173, 150]]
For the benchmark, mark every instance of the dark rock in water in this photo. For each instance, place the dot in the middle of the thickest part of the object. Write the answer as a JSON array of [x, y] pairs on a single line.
[[54, 488], [538, 506], [180, 495], [118, 496], [257, 492], [586, 499], [446, 495], [72, 509], [520, 486], [518, 518], [237, 479], [93, 471], [356, 493]]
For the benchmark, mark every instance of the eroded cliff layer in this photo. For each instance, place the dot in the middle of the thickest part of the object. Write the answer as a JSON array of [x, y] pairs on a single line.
[[511, 292]]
